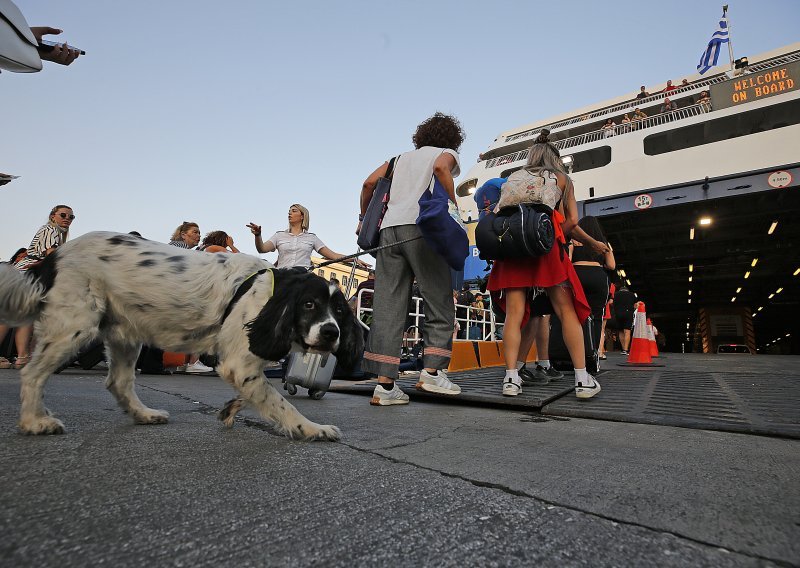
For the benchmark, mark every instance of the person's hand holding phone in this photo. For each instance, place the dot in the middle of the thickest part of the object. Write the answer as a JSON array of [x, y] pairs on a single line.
[[60, 53]]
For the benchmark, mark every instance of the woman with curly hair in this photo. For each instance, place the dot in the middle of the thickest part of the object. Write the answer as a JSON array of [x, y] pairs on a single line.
[[218, 241], [512, 279], [436, 142]]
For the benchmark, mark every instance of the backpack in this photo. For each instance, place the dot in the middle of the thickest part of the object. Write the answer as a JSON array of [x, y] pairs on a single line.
[[488, 195], [515, 232], [522, 186]]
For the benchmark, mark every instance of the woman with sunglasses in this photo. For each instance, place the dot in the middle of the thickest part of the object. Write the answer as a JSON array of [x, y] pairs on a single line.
[[46, 240], [49, 236]]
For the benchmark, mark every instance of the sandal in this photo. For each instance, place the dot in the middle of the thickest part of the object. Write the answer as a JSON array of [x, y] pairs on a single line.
[[5, 363], [20, 362]]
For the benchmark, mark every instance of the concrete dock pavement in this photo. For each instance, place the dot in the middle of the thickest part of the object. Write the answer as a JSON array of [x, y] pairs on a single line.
[[426, 484]]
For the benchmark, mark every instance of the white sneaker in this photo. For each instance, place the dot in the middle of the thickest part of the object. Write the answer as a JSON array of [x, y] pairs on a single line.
[[587, 392], [438, 383], [198, 367], [512, 387], [383, 397]]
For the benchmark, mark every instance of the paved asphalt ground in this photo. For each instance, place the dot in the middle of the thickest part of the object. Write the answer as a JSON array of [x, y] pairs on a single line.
[[422, 485]]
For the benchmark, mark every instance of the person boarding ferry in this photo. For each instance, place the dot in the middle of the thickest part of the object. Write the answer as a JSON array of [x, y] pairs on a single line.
[[511, 279]]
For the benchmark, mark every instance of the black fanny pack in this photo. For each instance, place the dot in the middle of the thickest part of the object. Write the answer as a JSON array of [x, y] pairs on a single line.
[[516, 232]]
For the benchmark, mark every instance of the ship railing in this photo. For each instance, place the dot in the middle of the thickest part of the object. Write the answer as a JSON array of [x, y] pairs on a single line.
[[632, 104], [619, 129], [620, 108], [756, 67], [478, 321]]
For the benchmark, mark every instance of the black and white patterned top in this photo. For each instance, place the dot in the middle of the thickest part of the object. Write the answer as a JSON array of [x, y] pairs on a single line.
[[46, 237]]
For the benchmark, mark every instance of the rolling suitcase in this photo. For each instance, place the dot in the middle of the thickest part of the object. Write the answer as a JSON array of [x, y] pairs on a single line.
[[559, 356]]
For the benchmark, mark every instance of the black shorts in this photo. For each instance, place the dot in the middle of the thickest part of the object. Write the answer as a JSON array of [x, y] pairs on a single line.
[[541, 305], [624, 320], [595, 287]]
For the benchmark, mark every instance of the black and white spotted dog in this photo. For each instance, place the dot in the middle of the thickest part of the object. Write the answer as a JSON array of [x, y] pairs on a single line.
[[129, 291]]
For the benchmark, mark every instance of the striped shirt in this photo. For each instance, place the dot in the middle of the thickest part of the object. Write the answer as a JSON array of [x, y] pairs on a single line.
[[295, 250], [46, 237]]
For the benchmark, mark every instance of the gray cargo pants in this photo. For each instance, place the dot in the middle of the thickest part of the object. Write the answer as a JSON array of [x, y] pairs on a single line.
[[395, 270]]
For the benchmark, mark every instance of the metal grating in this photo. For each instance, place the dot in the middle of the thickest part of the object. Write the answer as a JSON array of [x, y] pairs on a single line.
[[749, 403], [754, 395], [482, 386]]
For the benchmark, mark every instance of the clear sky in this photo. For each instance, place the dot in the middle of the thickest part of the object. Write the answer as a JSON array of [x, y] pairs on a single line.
[[228, 112]]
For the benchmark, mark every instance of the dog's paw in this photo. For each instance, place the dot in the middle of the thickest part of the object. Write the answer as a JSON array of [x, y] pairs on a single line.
[[325, 432], [41, 425], [151, 416], [229, 411]]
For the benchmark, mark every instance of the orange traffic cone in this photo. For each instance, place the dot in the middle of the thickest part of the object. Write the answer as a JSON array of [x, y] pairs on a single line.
[[651, 339], [640, 350], [639, 354]]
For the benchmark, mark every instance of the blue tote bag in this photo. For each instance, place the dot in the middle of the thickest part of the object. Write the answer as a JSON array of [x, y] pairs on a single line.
[[441, 231], [369, 235]]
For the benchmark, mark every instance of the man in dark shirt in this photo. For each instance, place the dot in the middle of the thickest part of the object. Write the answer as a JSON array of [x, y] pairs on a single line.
[[642, 94], [366, 297], [464, 298]]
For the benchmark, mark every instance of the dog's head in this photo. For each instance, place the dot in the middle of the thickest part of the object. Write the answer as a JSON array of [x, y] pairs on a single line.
[[307, 310]]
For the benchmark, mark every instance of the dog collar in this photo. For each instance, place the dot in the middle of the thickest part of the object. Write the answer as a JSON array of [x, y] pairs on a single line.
[[246, 284]]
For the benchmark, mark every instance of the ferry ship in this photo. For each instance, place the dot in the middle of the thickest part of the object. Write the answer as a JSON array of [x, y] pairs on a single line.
[[699, 202]]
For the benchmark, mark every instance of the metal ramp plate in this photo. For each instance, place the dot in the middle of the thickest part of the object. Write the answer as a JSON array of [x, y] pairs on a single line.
[[753, 403], [481, 386]]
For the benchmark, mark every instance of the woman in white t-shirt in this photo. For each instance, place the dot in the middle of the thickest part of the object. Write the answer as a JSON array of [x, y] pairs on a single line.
[[295, 244], [436, 143]]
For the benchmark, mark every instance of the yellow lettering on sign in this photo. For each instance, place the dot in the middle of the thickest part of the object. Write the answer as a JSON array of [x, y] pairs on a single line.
[[759, 85]]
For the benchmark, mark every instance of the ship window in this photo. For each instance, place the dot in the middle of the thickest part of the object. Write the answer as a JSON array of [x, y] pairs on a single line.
[[725, 128], [467, 188], [581, 161], [591, 159]]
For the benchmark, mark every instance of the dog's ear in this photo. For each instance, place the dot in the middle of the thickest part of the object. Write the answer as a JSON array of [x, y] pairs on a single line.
[[271, 332], [351, 335]]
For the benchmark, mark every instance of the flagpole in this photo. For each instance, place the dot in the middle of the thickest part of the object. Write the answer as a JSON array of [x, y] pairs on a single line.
[[730, 43]]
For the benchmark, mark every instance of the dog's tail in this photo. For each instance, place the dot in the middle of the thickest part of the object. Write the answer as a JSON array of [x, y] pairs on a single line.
[[21, 296]]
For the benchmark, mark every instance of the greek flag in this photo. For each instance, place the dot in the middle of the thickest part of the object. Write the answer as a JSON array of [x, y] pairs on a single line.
[[711, 54]]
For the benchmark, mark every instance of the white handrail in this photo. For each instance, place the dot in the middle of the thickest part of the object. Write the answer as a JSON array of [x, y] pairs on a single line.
[[418, 315], [595, 135], [630, 105]]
